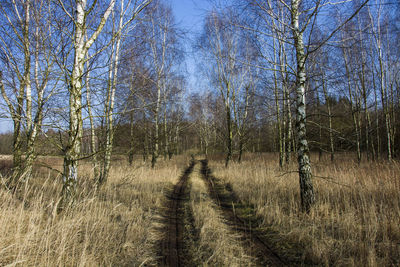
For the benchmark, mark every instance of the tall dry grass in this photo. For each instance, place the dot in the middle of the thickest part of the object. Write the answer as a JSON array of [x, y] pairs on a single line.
[[355, 222], [217, 244], [109, 227]]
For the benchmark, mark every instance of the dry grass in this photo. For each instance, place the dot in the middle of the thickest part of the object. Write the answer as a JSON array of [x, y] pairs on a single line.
[[218, 245], [356, 221], [111, 227]]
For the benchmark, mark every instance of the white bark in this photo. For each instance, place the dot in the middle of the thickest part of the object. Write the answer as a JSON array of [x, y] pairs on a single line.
[[305, 175], [81, 46]]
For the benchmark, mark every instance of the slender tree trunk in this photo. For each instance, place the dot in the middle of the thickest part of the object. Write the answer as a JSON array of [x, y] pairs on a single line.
[[378, 141], [384, 103], [364, 91], [166, 136], [286, 99], [242, 123], [18, 114], [289, 128], [376, 30], [328, 104], [305, 176], [132, 139], [35, 124], [176, 140], [319, 128], [229, 133], [368, 145], [240, 150], [358, 117], [17, 149], [155, 152], [281, 138], [73, 149], [353, 111], [93, 140], [145, 147], [113, 76], [26, 168]]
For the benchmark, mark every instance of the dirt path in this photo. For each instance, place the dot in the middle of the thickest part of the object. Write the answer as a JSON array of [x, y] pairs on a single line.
[[252, 238], [173, 250]]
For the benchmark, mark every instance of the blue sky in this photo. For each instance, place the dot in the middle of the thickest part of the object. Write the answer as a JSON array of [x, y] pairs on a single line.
[[190, 13], [189, 16]]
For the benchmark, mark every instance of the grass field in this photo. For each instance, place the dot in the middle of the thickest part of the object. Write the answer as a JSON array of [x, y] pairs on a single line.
[[354, 223]]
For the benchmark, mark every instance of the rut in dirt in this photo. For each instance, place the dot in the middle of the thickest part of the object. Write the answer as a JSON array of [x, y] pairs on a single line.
[[252, 238], [174, 250]]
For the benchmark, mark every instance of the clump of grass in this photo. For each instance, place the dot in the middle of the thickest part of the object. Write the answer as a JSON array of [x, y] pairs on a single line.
[[354, 222], [218, 245], [111, 226]]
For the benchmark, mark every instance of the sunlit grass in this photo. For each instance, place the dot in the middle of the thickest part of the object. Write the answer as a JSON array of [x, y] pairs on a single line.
[[356, 220], [218, 245], [109, 227]]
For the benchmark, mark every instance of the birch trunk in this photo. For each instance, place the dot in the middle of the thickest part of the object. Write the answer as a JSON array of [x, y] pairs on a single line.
[[352, 108], [289, 126], [362, 77], [26, 169], [113, 76], [278, 116], [35, 123], [319, 128], [286, 102], [156, 139], [21, 111], [242, 123], [378, 141], [384, 103], [166, 136], [305, 176], [159, 61], [24, 92], [132, 140], [146, 139], [328, 105], [72, 150], [376, 31], [93, 147], [229, 130]]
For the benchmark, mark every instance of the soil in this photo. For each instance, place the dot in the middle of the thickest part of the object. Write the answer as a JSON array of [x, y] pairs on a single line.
[[174, 250]]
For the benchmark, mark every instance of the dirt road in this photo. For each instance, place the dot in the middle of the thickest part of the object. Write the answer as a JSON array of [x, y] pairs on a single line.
[[173, 250], [176, 251], [252, 238]]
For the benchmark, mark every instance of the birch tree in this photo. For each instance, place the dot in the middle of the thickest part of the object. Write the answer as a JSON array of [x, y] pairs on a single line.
[[378, 34], [225, 52], [301, 18], [25, 47], [120, 25], [82, 41], [161, 38]]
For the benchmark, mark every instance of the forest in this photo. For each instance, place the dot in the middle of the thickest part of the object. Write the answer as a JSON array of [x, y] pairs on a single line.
[[267, 136]]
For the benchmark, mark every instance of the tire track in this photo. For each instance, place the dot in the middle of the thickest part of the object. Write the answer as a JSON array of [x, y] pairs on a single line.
[[173, 250], [251, 237]]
